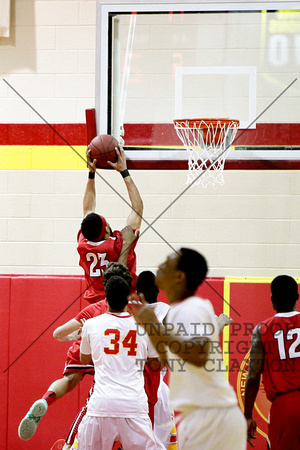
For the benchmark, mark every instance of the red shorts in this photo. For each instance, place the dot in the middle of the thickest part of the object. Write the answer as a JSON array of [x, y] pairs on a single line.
[[73, 363], [284, 430]]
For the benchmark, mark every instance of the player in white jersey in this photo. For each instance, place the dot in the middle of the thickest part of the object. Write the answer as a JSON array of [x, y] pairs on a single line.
[[164, 423], [118, 407], [189, 340]]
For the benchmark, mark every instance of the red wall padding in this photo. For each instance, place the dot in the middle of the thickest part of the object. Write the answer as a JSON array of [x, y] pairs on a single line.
[[30, 308], [33, 306]]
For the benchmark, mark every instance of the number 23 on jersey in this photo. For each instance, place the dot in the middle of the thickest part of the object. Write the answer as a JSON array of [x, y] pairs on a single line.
[[98, 263]]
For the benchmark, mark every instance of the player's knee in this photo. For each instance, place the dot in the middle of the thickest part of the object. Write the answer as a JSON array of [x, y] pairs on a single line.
[[73, 379]]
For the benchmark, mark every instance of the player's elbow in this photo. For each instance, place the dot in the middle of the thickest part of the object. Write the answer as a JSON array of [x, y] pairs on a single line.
[[58, 335]]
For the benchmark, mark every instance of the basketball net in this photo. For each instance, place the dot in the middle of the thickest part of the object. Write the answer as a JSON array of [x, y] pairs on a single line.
[[207, 142]]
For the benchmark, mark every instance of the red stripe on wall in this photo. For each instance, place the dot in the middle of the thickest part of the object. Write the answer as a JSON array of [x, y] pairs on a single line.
[[42, 134], [284, 134], [230, 164], [265, 134]]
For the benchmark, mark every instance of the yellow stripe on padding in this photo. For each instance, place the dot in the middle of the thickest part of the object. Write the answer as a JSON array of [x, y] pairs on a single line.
[[42, 157], [226, 310]]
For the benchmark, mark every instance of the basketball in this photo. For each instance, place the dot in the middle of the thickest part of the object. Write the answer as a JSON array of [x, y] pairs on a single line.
[[103, 149]]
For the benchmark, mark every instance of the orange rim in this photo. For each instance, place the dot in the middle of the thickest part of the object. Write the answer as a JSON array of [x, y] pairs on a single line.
[[204, 123]]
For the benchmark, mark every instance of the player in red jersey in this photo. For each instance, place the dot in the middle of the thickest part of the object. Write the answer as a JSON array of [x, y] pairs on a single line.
[[98, 245], [275, 354]]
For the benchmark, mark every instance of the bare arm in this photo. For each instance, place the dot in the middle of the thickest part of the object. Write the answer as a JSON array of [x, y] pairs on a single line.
[[68, 331], [135, 217], [89, 198], [195, 351], [85, 359], [129, 236], [253, 380]]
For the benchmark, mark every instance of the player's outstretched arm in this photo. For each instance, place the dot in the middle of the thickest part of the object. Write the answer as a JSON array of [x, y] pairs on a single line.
[[252, 382], [195, 351], [70, 331], [135, 217], [89, 198]]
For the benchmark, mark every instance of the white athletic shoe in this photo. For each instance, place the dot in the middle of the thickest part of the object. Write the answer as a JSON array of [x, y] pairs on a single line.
[[30, 422]]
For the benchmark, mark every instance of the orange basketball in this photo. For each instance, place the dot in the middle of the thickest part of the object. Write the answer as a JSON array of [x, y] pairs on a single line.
[[103, 149]]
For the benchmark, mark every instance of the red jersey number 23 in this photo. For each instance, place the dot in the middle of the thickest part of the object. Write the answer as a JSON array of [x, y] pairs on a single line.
[[98, 263]]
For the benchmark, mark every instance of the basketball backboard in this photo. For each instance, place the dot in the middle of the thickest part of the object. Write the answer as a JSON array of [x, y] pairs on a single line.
[[157, 62]]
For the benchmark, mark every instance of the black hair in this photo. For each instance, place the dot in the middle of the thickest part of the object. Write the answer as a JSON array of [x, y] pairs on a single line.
[[115, 268], [194, 265], [91, 226], [116, 292], [284, 291], [145, 284]]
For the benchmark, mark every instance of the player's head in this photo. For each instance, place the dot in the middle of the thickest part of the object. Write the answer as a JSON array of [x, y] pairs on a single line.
[[194, 265], [115, 268], [284, 293], [95, 228], [145, 284], [116, 292], [182, 272]]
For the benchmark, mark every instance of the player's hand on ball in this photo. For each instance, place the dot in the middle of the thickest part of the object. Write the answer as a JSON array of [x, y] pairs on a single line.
[[91, 164], [120, 165]]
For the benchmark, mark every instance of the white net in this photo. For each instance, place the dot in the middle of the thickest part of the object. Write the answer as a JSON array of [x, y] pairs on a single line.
[[208, 142]]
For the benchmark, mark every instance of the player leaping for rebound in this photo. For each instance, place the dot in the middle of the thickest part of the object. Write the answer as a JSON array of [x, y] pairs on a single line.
[[98, 245]]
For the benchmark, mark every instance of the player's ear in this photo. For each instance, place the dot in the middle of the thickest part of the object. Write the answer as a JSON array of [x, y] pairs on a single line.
[[274, 304], [180, 277]]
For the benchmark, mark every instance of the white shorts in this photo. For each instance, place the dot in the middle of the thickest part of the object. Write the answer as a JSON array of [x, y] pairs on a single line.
[[163, 415], [213, 428], [101, 432]]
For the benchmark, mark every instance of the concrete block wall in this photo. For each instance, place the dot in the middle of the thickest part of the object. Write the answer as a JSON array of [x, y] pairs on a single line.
[[249, 227], [49, 59]]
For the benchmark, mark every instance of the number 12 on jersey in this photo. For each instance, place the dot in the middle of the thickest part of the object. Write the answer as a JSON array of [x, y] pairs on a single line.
[[292, 335]]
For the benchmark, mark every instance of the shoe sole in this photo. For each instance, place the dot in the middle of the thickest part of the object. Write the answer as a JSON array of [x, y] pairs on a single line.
[[27, 428], [28, 425]]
